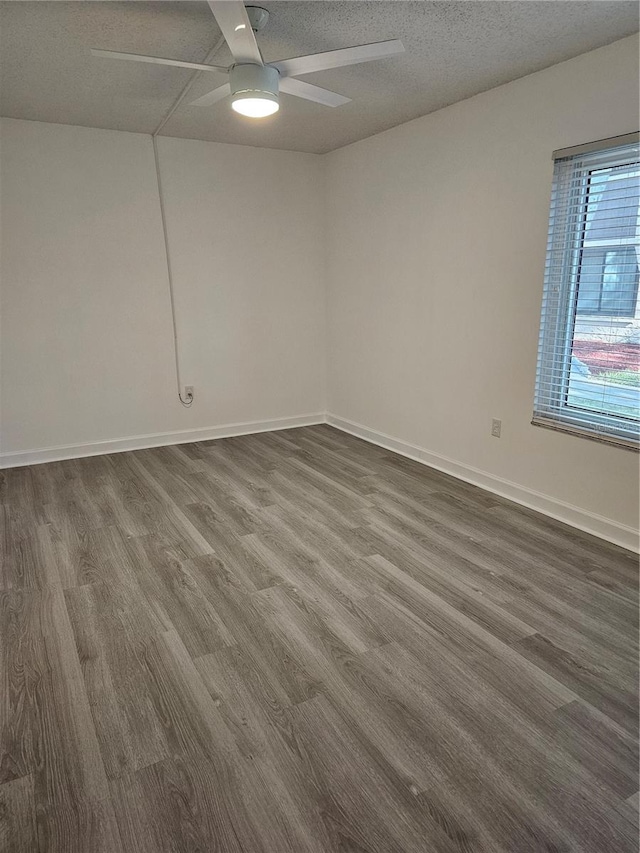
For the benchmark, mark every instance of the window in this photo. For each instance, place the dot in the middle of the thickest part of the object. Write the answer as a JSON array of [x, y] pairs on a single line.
[[588, 378]]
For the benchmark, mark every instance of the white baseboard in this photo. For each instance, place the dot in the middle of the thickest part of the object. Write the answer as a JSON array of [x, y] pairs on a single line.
[[13, 459], [597, 525]]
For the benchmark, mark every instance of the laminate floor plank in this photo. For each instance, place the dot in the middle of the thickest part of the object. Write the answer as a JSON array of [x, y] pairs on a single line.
[[164, 468], [298, 642], [596, 684], [529, 688], [111, 631], [239, 611], [534, 539], [248, 450], [352, 626], [469, 758], [251, 485], [419, 576], [608, 751], [184, 804], [175, 596], [375, 815], [153, 509], [355, 490], [78, 827], [265, 736], [633, 808], [47, 731], [18, 831], [309, 500], [420, 735], [577, 543], [30, 561], [522, 576], [502, 733], [47, 728], [232, 549]]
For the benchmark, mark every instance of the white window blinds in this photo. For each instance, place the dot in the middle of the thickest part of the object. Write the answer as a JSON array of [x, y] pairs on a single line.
[[588, 376]]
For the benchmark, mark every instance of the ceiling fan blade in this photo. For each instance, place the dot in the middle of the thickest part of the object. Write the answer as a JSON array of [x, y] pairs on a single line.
[[212, 97], [158, 60], [233, 20], [312, 93], [338, 58]]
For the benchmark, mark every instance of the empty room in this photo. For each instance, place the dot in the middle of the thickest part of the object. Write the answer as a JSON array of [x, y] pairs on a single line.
[[319, 423]]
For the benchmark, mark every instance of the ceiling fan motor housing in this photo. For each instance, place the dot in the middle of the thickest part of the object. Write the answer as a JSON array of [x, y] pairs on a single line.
[[254, 81]]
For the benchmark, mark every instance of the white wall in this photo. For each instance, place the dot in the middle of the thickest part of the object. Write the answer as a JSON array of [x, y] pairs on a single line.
[[436, 249], [86, 326], [247, 249]]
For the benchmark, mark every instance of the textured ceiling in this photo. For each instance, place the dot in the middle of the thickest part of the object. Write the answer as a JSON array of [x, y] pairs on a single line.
[[454, 50]]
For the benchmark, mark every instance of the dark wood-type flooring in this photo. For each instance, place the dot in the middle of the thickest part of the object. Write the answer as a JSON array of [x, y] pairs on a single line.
[[297, 642]]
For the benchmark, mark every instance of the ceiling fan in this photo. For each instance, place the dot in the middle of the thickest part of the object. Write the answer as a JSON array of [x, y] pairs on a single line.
[[254, 84]]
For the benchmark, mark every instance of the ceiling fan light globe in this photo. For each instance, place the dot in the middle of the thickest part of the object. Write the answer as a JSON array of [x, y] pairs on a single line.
[[255, 104]]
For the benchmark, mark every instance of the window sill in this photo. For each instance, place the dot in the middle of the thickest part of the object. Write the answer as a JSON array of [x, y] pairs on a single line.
[[582, 432]]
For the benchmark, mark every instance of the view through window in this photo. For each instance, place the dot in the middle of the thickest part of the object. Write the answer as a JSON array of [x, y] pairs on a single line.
[[605, 365]]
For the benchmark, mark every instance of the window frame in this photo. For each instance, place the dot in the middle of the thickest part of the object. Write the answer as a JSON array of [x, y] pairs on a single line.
[[560, 303]]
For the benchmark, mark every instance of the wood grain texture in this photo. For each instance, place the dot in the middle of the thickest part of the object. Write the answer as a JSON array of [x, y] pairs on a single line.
[[297, 642], [18, 816]]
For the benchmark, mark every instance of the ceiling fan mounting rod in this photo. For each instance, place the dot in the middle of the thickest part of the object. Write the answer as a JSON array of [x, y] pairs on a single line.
[[258, 17]]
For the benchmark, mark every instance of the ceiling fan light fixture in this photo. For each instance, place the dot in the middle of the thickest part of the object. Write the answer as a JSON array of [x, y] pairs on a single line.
[[254, 90]]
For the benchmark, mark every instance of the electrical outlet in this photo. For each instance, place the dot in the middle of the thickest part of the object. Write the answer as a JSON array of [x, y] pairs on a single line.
[[496, 427]]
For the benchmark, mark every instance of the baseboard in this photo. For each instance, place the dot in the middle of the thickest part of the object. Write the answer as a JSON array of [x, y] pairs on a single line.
[[13, 459], [597, 525]]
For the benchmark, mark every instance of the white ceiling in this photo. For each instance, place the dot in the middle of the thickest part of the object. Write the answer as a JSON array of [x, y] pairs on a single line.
[[454, 50]]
